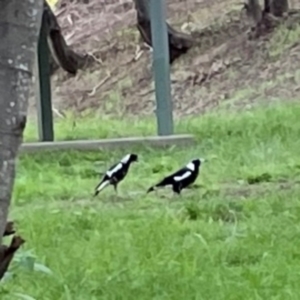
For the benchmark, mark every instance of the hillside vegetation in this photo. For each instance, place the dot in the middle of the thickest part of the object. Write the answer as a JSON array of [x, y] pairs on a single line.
[[224, 70]]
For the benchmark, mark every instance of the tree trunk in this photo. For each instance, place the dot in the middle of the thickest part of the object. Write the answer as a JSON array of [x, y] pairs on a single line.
[[254, 11], [279, 7], [276, 8], [179, 43], [265, 19], [19, 29], [61, 54]]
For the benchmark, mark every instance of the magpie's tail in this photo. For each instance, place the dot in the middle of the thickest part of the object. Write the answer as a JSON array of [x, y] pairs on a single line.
[[150, 189], [162, 183], [100, 187]]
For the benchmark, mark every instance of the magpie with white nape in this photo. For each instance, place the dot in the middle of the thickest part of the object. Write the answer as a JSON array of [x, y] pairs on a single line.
[[115, 174], [182, 178]]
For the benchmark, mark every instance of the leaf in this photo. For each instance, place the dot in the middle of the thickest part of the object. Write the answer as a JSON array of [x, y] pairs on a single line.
[[67, 292], [42, 268], [27, 262], [7, 276], [24, 297]]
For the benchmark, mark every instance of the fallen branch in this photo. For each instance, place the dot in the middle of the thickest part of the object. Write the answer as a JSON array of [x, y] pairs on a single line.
[[179, 43], [7, 254], [93, 92], [61, 54], [9, 229]]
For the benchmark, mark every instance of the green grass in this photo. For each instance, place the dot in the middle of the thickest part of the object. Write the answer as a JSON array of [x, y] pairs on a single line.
[[95, 127], [233, 236]]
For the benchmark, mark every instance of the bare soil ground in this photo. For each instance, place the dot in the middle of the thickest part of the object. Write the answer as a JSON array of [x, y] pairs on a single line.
[[225, 68]]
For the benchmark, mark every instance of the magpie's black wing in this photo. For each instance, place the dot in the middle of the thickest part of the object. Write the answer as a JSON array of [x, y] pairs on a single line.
[[179, 172], [107, 177], [169, 179], [112, 167], [116, 171]]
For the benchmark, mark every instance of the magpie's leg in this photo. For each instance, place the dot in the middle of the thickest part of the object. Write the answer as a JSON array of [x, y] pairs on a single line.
[[115, 187], [114, 182], [176, 195], [176, 190]]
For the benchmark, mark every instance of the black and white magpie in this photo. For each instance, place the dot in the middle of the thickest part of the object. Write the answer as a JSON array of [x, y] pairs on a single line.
[[116, 173], [182, 178]]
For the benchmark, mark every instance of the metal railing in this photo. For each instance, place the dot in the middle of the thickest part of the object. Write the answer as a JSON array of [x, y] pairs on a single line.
[[161, 70]]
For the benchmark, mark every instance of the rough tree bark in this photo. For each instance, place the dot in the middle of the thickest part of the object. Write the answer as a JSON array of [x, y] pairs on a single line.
[[278, 7], [179, 43], [61, 54], [19, 29]]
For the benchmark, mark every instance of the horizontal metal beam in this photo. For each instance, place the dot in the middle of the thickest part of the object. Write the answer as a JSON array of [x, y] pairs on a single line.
[[89, 145]]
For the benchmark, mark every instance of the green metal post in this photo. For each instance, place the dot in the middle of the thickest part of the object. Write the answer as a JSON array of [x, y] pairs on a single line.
[[161, 67], [45, 117]]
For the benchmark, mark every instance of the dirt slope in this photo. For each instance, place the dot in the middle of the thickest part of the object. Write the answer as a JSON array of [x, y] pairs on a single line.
[[224, 69]]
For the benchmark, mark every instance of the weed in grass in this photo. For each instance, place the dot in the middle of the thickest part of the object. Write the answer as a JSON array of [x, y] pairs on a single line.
[[265, 177], [192, 210]]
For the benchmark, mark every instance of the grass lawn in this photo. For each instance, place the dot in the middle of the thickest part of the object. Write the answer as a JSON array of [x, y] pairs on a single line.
[[233, 236]]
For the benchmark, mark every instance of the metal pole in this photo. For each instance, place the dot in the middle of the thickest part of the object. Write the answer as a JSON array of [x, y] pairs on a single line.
[[44, 106], [161, 67]]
